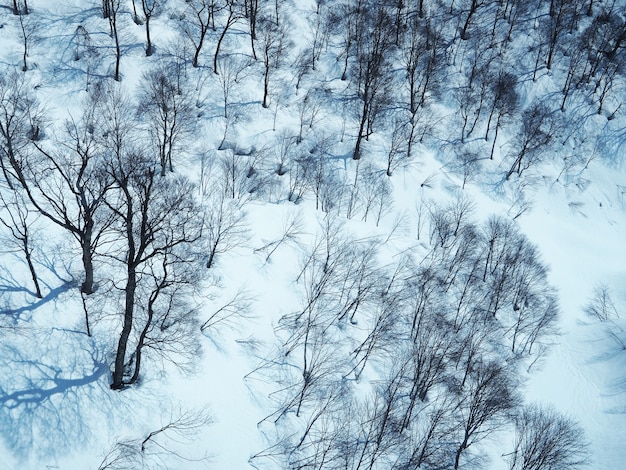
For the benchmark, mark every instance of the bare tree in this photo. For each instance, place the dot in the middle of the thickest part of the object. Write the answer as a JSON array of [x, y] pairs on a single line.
[[539, 128], [426, 444], [309, 108], [21, 121], [237, 177], [166, 103], [601, 305], [203, 18], [111, 9], [398, 153], [231, 69], [68, 185], [292, 230], [251, 13], [546, 440], [28, 29], [157, 220], [473, 7], [273, 43], [376, 193], [85, 50], [224, 224], [372, 73], [234, 15], [563, 17], [18, 219], [150, 7], [160, 447], [489, 397], [168, 320], [229, 314]]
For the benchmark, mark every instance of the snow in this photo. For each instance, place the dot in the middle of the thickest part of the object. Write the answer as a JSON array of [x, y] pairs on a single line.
[[579, 227]]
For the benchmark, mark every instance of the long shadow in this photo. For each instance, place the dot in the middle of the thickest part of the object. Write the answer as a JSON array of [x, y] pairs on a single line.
[[610, 353], [51, 295], [51, 384], [59, 385], [19, 300]]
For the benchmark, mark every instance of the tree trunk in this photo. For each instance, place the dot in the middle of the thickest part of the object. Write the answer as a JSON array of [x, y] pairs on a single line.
[[196, 55], [87, 256], [25, 37], [140, 343], [229, 22], [31, 268], [120, 356], [462, 447], [129, 306], [211, 259], [359, 137], [266, 84], [149, 44]]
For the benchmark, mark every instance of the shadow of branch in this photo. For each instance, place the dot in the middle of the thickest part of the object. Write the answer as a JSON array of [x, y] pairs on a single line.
[[48, 387]]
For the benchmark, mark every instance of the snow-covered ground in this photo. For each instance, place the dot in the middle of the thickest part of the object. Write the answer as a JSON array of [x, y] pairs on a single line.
[[56, 408]]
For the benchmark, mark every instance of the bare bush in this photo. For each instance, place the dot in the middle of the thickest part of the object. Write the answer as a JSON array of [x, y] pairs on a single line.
[[601, 305]]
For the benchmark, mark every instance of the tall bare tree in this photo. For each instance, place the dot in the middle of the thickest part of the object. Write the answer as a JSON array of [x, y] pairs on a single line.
[[371, 71], [157, 221]]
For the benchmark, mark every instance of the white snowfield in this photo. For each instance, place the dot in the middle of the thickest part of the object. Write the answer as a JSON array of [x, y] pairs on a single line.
[[323, 234]]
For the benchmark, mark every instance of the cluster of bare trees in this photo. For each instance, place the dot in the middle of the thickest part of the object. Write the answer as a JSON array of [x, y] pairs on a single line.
[[442, 339], [105, 179], [407, 365], [398, 60]]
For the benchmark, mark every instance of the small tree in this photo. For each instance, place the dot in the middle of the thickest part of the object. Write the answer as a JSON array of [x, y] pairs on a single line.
[[371, 73], [166, 103], [234, 15], [273, 43], [21, 119], [539, 128], [484, 404], [202, 14], [224, 224], [28, 29], [159, 447], [111, 9], [68, 184], [149, 8], [546, 440], [601, 305], [18, 219]]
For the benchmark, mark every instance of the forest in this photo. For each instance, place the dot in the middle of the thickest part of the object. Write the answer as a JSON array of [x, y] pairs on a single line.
[[332, 196]]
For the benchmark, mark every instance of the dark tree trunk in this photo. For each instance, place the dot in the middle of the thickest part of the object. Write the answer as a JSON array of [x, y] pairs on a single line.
[[266, 85], [149, 41], [140, 344], [129, 301], [196, 55], [31, 268], [129, 307], [359, 137], [87, 257]]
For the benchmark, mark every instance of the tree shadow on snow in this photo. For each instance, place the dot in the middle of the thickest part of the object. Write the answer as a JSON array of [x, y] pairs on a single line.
[[611, 346], [18, 301], [50, 383]]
